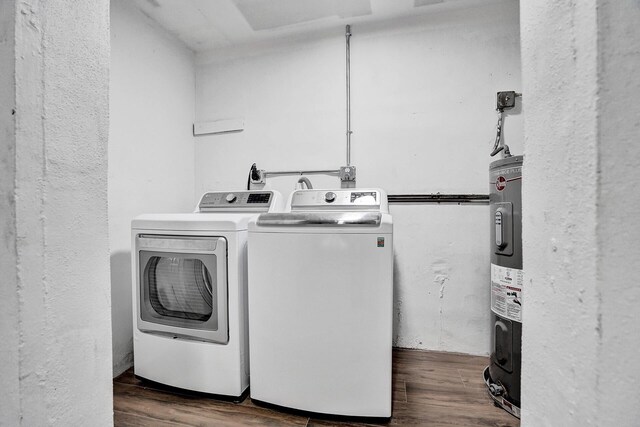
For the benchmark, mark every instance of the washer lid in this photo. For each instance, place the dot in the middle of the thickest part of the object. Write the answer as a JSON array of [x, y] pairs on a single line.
[[323, 223], [320, 219]]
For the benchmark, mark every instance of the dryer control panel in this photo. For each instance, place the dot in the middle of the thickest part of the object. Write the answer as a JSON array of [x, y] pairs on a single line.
[[338, 199], [240, 201]]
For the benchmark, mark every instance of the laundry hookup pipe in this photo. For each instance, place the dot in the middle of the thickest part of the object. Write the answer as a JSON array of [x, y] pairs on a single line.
[[304, 180], [348, 75]]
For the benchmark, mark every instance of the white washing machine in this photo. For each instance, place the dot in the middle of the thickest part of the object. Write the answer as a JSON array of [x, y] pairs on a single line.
[[189, 293], [321, 302]]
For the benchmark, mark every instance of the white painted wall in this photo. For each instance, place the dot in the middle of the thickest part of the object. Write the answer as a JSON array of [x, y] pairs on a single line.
[[9, 331], [423, 99], [581, 328], [56, 277], [619, 212], [151, 151], [559, 221]]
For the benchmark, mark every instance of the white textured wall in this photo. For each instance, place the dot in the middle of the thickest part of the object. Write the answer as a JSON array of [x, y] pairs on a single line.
[[151, 152], [9, 332], [58, 284], [581, 328], [423, 100], [619, 212], [559, 214]]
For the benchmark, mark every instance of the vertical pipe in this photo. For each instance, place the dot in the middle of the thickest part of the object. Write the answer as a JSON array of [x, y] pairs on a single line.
[[348, 73]]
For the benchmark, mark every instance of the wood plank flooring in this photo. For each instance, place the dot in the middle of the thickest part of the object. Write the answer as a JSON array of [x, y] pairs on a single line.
[[429, 389]]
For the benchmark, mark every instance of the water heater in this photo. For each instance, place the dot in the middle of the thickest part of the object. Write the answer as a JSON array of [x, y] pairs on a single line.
[[502, 376]]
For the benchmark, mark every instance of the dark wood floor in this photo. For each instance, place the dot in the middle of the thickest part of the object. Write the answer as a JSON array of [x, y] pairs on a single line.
[[429, 389]]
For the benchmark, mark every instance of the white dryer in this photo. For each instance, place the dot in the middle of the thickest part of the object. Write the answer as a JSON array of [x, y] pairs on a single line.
[[321, 303], [189, 293]]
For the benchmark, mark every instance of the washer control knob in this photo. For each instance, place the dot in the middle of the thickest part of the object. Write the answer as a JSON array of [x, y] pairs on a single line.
[[231, 198], [330, 197]]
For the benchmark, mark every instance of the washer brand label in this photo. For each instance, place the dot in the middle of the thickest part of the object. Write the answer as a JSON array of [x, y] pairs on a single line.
[[381, 242], [506, 292]]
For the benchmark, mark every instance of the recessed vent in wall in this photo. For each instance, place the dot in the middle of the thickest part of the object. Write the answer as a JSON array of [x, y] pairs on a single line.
[[270, 14], [218, 126]]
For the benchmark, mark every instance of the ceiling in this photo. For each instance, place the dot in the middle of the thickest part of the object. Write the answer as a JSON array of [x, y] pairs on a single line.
[[213, 24]]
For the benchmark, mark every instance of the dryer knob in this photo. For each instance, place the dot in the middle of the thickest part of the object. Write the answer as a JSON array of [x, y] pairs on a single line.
[[231, 198], [330, 197]]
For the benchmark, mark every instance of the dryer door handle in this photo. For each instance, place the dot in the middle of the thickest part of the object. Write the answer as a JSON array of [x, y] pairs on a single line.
[[161, 242]]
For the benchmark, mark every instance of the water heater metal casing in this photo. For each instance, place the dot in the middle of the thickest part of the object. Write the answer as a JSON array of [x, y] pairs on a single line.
[[506, 276]]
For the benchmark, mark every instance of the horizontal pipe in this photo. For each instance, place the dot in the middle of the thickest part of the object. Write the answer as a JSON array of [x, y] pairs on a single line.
[[307, 172], [438, 198]]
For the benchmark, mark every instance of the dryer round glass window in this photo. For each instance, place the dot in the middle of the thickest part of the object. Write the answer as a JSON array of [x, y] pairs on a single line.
[[183, 286], [179, 287]]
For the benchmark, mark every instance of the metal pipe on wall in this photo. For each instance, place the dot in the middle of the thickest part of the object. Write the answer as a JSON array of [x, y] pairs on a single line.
[[348, 75], [347, 173], [438, 198], [303, 172]]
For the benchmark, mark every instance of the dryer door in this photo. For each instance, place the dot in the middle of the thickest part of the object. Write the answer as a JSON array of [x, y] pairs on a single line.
[[182, 286]]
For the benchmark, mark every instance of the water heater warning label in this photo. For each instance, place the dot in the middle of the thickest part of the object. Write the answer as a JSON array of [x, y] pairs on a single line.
[[506, 292]]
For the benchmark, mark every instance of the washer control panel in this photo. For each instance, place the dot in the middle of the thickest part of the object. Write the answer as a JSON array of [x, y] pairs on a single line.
[[335, 199], [238, 200]]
